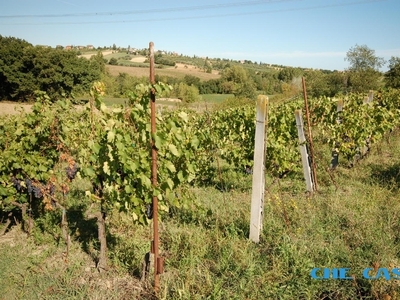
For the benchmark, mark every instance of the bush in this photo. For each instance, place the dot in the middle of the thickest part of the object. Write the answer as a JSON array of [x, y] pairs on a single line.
[[186, 93], [113, 61]]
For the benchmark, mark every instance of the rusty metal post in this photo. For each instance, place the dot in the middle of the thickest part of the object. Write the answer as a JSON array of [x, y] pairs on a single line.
[[154, 171], [313, 166]]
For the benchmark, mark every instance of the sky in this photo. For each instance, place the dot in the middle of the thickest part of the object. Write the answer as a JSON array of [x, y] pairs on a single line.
[[299, 33]]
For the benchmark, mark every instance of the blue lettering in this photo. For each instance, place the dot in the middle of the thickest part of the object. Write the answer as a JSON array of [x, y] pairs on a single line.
[[335, 273], [327, 273], [342, 273], [313, 273], [396, 274], [384, 272], [366, 275]]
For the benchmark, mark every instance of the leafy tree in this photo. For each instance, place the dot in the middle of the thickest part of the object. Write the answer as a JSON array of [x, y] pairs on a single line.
[[235, 80], [192, 80], [186, 93], [207, 67], [288, 74], [316, 83], [364, 67], [11, 67], [392, 76], [25, 69], [336, 82], [212, 86], [113, 61]]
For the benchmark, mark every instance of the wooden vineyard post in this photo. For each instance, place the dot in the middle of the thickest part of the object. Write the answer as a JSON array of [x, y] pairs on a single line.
[[258, 185], [368, 100], [335, 151], [303, 151], [310, 139], [158, 261]]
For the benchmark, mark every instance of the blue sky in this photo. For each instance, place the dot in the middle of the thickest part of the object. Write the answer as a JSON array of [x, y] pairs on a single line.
[[298, 33]]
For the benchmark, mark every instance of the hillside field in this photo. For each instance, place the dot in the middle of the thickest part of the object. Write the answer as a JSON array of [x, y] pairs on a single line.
[[178, 72]]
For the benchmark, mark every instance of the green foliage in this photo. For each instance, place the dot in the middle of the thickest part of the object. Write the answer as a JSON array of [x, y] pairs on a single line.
[[236, 81], [158, 59], [113, 61], [186, 93], [288, 74], [361, 123], [212, 86], [362, 58], [25, 69], [207, 247], [364, 67], [392, 76]]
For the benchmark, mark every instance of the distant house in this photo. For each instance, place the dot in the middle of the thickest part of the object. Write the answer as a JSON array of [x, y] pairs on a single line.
[[90, 47], [133, 51], [69, 47]]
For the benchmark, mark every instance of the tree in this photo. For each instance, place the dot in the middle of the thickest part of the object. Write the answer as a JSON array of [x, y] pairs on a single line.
[[236, 81], [113, 61], [392, 76], [288, 74], [364, 67], [186, 93], [25, 69], [192, 80], [316, 83]]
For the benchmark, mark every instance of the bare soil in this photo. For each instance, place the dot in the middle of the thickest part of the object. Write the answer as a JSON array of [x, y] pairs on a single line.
[[11, 108]]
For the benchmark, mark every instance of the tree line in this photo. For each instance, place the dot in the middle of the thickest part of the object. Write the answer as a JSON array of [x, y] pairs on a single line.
[[25, 69]]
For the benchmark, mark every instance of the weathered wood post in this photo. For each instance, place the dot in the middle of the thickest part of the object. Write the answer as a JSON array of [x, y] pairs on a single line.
[[365, 149], [310, 139], [158, 260], [258, 186], [303, 151], [335, 151]]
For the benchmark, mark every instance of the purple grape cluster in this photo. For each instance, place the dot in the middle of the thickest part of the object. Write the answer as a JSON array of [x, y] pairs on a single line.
[[16, 183], [29, 185], [52, 189], [71, 171], [37, 192], [149, 211]]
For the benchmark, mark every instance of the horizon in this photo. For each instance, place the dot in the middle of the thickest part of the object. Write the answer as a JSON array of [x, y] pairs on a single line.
[[292, 33]]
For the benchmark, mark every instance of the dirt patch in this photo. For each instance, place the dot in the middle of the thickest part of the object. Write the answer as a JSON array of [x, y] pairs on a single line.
[[7, 108], [170, 99], [140, 59], [93, 54]]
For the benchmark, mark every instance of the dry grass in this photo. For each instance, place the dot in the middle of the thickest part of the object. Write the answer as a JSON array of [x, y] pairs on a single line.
[[178, 72], [7, 108]]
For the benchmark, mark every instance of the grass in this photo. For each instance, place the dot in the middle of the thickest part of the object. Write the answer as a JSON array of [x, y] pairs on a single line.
[[351, 222], [215, 98], [207, 101], [170, 71]]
